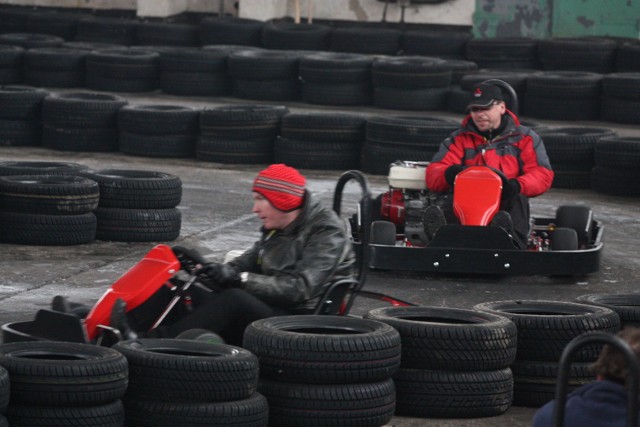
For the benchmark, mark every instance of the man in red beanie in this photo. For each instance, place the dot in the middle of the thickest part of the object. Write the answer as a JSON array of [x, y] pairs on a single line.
[[303, 247]]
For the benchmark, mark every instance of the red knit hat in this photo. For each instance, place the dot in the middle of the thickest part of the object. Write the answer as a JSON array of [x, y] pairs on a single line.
[[282, 186]]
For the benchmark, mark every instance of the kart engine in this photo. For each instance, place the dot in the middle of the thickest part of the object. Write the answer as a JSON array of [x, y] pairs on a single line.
[[405, 201]]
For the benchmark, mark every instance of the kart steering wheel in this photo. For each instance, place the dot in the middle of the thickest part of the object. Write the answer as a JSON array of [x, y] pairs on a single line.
[[189, 258]]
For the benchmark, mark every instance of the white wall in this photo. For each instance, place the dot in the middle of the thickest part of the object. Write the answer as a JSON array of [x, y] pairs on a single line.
[[451, 12]]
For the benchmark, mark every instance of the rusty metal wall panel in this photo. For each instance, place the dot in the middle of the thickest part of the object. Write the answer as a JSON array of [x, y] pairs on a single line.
[[512, 18]]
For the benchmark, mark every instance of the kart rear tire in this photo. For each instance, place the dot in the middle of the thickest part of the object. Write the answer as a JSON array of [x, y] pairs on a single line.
[[318, 349], [578, 218], [383, 233], [450, 339], [53, 373], [180, 370], [564, 239]]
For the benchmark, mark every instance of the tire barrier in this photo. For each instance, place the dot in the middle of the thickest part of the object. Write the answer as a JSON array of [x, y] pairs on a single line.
[[55, 67], [20, 112], [455, 362], [571, 151], [627, 305], [544, 329], [326, 370], [11, 64], [64, 383], [184, 382], [614, 172]]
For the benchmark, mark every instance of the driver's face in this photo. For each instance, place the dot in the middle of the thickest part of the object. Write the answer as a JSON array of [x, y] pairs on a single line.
[[488, 118], [272, 218]]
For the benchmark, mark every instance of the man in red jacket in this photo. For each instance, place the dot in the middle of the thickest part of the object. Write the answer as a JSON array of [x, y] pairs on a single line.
[[492, 136]]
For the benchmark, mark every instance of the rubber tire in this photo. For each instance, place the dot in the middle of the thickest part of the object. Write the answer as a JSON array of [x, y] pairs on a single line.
[[250, 412], [40, 168], [49, 194], [53, 373], [383, 233], [181, 370], [319, 405], [138, 225], [578, 218], [546, 327], [47, 230], [137, 189], [450, 339], [323, 349], [627, 305], [110, 414], [450, 394], [5, 387], [564, 239]]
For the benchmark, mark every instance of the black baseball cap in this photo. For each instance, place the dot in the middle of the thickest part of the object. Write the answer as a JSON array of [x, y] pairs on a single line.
[[484, 95]]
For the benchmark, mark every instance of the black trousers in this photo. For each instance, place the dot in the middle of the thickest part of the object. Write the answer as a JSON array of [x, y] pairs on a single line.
[[226, 313]]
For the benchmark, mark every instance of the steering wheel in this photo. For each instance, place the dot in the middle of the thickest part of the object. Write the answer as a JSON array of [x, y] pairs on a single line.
[[189, 258]]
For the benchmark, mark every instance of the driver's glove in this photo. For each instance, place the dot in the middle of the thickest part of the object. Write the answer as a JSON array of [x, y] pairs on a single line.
[[510, 189], [451, 172], [221, 274]]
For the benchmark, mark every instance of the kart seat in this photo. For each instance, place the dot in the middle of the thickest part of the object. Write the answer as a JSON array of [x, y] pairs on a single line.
[[338, 297]]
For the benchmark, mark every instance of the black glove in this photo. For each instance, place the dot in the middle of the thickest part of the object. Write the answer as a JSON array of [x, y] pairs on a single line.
[[221, 274], [510, 189], [451, 172]]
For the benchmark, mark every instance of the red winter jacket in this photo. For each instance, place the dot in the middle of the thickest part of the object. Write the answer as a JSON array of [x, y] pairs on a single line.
[[518, 152]]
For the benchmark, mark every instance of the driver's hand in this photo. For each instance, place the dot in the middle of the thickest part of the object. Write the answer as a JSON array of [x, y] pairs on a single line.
[[221, 274], [510, 189], [451, 172]]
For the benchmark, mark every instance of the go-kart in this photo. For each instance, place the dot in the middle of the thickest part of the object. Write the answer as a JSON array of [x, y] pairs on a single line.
[[568, 244]]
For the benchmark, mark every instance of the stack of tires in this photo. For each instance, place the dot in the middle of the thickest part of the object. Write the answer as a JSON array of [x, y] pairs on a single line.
[[231, 31], [410, 83], [55, 67], [63, 384], [158, 130], [455, 362], [621, 97], [571, 151], [11, 64], [123, 70], [616, 160], [504, 53], [544, 330], [81, 121], [320, 141], [627, 305], [267, 75], [137, 206], [45, 203], [336, 78], [326, 370], [400, 138], [5, 388], [21, 115], [194, 72], [191, 383], [563, 95], [374, 41], [239, 133]]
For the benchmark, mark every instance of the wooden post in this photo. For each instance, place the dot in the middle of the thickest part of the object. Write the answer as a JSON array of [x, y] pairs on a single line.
[[296, 7]]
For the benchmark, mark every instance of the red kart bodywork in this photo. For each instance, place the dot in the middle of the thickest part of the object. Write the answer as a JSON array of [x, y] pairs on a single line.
[[477, 196], [135, 286]]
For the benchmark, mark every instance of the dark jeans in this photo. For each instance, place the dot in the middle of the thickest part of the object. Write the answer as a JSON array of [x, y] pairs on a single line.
[[227, 314]]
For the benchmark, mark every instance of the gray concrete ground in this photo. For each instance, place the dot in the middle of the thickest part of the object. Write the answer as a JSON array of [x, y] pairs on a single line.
[[216, 218]]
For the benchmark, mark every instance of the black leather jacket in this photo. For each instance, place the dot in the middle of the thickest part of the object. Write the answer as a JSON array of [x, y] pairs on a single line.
[[290, 268]]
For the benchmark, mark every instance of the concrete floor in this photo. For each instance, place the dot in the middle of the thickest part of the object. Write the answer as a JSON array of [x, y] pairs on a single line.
[[216, 218]]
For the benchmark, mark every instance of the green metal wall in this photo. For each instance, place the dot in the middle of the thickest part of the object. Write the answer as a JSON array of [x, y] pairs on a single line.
[[556, 18]]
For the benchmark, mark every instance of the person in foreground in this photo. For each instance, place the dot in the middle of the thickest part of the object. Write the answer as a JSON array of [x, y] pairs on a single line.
[[492, 136], [304, 246], [602, 403]]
